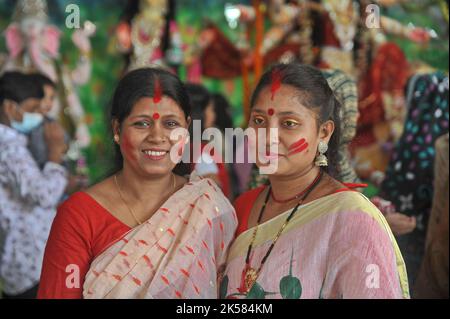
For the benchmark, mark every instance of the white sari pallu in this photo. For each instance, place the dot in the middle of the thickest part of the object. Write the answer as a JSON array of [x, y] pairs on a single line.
[[177, 253]]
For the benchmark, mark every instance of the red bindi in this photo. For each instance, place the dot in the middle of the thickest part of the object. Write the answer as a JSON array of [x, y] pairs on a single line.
[[271, 112], [156, 116]]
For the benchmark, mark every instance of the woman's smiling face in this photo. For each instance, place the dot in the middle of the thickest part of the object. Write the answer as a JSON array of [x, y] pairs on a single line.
[[297, 126], [145, 138]]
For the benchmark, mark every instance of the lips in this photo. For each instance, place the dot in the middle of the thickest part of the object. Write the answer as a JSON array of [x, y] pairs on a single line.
[[155, 154]]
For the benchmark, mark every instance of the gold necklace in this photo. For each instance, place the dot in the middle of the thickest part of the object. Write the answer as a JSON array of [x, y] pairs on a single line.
[[124, 201], [252, 274]]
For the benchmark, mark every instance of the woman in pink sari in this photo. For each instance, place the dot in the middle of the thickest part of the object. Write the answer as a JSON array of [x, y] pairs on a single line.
[[306, 235], [144, 232]]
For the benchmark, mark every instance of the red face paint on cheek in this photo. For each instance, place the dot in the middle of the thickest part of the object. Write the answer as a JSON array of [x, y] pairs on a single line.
[[298, 147], [128, 148]]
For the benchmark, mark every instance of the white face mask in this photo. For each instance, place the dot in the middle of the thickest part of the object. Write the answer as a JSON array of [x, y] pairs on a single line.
[[30, 122]]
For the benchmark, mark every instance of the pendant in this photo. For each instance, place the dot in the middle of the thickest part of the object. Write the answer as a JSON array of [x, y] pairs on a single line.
[[251, 275]]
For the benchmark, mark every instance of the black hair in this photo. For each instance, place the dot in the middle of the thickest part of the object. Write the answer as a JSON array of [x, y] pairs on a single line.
[[138, 84], [315, 94], [200, 98], [43, 80], [18, 87], [222, 109]]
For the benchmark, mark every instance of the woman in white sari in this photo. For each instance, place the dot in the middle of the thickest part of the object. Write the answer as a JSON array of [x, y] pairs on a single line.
[[144, 232]]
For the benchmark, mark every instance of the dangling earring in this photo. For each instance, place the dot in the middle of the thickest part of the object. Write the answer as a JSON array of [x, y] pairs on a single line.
[[116, 138], [321, 159]]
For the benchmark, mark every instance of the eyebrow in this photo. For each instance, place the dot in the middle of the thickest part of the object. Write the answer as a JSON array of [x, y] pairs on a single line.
[[151, 117], [287, 113]]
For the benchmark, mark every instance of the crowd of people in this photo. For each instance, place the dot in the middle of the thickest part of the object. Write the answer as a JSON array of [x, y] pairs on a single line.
[[159, 228]]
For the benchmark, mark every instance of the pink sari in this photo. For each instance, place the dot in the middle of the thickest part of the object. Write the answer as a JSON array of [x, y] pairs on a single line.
[[337, 247], [177, 253]]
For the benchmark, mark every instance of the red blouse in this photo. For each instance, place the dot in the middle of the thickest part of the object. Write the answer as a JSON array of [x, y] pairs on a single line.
[[81, 231], [244, 204]]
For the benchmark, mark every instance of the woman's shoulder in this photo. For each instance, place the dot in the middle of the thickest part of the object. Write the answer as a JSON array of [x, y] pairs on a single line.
[[84, 204], [355, 213], [354, 200], [200, 187], [347, 202], [98, 190], [72, 216], [77, 205], [201, 183]]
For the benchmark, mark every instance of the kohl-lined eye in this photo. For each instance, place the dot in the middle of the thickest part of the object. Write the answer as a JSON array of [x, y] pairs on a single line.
[[258, 120], [290, 124], [172, 124], [141, 124]]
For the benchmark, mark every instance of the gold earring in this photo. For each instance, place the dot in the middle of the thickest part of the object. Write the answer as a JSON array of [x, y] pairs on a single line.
[[117, 138], [321, 159]]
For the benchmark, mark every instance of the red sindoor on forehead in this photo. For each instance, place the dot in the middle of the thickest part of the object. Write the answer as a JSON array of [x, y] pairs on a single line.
[[276, 82], [157, 94], [271, 112], [157, 97]]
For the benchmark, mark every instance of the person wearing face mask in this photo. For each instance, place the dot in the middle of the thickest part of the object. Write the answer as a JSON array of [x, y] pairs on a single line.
[[28, 195], [37, 143]]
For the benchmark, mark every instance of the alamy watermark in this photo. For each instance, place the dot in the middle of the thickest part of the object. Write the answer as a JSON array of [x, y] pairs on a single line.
[[252, 146]]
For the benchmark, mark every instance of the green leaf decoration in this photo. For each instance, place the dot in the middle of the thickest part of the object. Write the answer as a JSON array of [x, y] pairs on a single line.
[[290, 287], [223, 288], [257, 292]]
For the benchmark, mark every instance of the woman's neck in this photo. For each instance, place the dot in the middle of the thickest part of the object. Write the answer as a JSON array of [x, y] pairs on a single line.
[[285, 187], [144, 188]]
